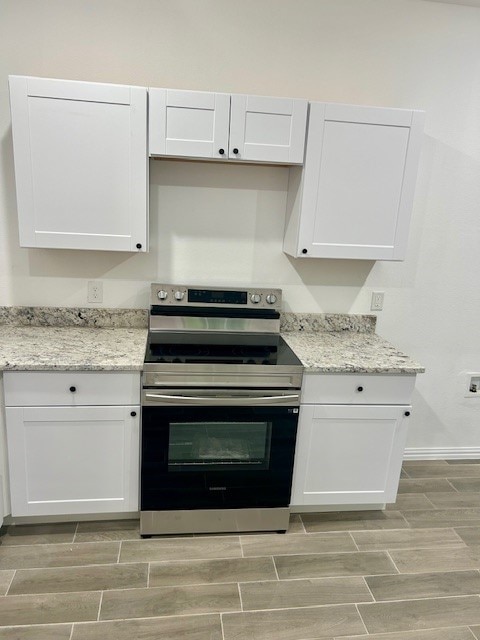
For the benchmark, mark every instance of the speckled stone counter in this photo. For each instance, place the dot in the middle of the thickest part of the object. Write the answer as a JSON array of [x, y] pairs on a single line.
[[74, 317], [71, 348], [72, 338], [348, 352], [327, 322], [49, 338]]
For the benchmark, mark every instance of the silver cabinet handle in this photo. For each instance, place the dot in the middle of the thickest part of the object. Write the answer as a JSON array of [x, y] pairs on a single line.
[[221, 400]]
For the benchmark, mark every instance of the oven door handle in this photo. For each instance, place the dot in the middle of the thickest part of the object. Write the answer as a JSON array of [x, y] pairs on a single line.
[[223, 400]]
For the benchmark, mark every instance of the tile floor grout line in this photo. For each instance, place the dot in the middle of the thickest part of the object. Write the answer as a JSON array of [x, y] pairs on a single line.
[[409, 526], [309, 607], [392, 561], [450, 545], [71, 631], [241, 546], [454, 488], [119, 551], [221, 625], [350, 533], [363, 621], [11, 581], [369, 590], [100, 605], [427, 499], [240, 596], [148, 575], [302, 522], [75, 532], [421, 599], [63, 544], [275, 567], [80, 566]]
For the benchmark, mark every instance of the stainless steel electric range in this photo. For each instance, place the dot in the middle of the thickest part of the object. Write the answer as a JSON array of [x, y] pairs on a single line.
[[220, 402]]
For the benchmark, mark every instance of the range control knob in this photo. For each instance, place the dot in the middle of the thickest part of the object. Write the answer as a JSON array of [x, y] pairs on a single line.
[[271, 298], [162, 295], [179, 295], [255, 298]]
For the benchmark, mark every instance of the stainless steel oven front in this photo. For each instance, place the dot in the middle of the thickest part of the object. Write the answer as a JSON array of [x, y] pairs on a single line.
[[219, 412], [217, 460]]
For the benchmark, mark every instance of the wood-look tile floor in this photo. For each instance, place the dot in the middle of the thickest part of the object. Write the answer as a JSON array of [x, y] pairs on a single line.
[[411, 572]]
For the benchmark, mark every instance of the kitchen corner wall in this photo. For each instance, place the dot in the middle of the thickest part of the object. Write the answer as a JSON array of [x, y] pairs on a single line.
[[221, 224]]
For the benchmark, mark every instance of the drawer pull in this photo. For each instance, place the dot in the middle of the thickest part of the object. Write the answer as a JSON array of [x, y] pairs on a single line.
[[359, 389], [407, 413], [133, 413], [73, 389]]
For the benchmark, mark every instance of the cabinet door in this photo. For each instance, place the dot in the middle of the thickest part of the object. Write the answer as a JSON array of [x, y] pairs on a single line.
[[348, 455], [358, 183], [188, 123], [65, 460], [264, 129], [81, 164]]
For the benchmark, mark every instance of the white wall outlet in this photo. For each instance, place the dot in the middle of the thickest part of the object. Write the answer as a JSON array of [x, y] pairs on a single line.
[[473, 385], [377, 301], [95, 291]]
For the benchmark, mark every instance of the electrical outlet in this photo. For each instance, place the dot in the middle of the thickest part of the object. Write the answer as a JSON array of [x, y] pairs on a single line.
[[473, 385], [377, 301], [95, 291]]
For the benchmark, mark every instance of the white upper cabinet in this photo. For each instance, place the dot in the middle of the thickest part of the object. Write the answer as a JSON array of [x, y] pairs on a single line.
[[81, 164], [222, 126], [188, 123], [354, 197], [267, 129]]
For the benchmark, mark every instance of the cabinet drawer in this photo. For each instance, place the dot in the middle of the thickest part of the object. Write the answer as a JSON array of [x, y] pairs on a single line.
[[357, 389], [71, 388]]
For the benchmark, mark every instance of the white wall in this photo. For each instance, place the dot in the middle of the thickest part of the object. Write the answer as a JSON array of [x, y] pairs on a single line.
[[220, 224]]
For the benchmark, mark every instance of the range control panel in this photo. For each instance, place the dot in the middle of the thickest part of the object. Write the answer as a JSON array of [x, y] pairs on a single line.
[[187, 296]]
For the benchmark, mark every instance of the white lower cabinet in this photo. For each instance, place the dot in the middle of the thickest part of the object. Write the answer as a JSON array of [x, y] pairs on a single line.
[[349, 454], [72, 459]]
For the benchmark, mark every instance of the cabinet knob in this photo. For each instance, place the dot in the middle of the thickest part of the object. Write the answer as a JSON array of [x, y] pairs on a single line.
[[133, 414], [138, 245], [407, 413], [73, 389], [235, 150], [304, 251], [359, 389], [221, 151]]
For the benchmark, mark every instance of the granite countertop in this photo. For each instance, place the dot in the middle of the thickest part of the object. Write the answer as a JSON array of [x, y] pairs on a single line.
[[349, 352], [71, 348], [43, 338]]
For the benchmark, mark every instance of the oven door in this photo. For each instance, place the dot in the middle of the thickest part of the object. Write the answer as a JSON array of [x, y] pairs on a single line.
[[207, 449]]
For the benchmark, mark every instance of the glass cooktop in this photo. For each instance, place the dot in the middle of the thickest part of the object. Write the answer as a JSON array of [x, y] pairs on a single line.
[[212, 349]]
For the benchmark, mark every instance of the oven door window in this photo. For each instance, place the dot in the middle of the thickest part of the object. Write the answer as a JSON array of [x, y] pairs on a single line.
[[219, 446], [217, 457]]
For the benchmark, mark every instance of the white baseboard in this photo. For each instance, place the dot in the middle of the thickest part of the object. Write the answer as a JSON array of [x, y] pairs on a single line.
[[442, 453]]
